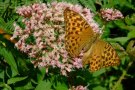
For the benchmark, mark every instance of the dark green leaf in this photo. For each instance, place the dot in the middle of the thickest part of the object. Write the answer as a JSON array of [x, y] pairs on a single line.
[[9, 59]]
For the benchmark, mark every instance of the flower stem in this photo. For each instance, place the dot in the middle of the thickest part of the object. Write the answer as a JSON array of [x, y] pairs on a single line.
[[122, 76]]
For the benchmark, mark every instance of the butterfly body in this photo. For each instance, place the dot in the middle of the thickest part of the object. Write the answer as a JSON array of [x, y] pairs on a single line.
[[80, 36]]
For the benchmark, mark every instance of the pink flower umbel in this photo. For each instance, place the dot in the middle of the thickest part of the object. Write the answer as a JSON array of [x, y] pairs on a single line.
[[43, 36], [111, 14], [80, 87]]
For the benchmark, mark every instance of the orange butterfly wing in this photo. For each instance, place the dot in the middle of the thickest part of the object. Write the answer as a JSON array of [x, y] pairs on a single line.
[[101, 54], [79, 34]]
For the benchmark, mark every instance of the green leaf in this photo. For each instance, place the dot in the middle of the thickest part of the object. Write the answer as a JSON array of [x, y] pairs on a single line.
[[29, 86], [121, 40], [99, 88], [2, 74], [61, 86], [119, 87], [112, 78], [2, 84], [2, 23], [41, 74], [99, 72], [7, 88], [44, 85], [9, 59], [120, 24], [15, 79], [131, 34], [131, 48], [26, 87], [128, 20], [88, 4], [9, 26]]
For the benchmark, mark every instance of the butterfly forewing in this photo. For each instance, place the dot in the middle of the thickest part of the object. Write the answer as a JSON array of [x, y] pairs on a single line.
[[78, 32]]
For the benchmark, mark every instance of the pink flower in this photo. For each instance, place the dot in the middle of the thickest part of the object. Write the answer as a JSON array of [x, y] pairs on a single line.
[[77, 62], [80, 87], [44, 32], [111, 14], [25, 11]]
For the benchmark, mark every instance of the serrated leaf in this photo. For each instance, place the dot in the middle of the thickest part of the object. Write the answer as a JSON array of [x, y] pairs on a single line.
[[29, 86], [61, 86], [26, 87], [41, 74], [44, 85], [15, 79]]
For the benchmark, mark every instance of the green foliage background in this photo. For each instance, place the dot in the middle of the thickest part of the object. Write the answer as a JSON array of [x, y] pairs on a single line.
[[17, 72]]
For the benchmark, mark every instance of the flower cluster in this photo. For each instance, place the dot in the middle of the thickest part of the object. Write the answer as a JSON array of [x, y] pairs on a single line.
[[80, 87], [111, 14], [43, 36]]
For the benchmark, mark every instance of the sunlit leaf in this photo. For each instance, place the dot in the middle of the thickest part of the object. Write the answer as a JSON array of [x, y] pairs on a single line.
[[15, 79], [121, 40], [61, 86], [99, 72], [41, 74], [44, 85], [99, 88], [131, 34], [119, 87]]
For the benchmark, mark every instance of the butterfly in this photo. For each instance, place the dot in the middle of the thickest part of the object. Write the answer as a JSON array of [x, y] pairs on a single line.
[[80, 36]]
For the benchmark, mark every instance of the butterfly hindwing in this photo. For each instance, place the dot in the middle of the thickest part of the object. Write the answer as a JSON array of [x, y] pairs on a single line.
[[101, 54], [109, 56]]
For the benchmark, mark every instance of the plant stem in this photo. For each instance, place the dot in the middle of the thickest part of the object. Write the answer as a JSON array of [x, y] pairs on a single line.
[[122, 76]]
